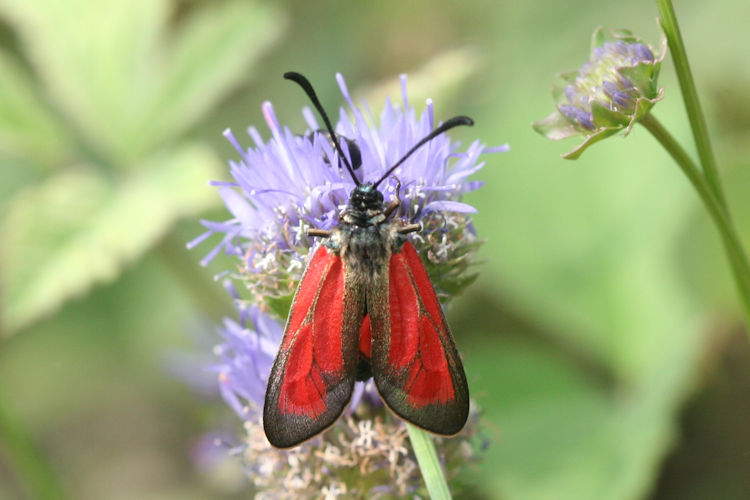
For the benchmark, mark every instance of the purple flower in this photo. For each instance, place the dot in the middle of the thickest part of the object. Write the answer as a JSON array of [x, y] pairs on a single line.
[[285, 186], [364, 454], [601, 81], [247, 354], [610, 92], [368, 446], [288, 184], [245, 357]]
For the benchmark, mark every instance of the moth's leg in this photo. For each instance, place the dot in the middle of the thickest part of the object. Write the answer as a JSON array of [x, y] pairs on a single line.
[[395, 203], [409, 229], [391, 207], [320, 233]]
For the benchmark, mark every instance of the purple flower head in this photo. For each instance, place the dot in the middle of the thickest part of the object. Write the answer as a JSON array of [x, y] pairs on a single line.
[[601, 81], [245, 357], [288, 184], [365, 453], [610, 92], [283, 187]]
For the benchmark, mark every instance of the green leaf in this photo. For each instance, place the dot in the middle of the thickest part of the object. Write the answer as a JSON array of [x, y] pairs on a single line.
[[590, 140], [216, 49], [27, 128], [555, 127], [569, 77], [625, 35], [643, 77], [280, 305], [78, 228], [91, 57], [604, 117], [128, 84], [598, 38]]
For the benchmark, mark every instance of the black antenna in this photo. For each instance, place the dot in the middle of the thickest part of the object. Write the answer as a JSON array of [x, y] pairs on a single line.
[[453, 122], [307, 87]]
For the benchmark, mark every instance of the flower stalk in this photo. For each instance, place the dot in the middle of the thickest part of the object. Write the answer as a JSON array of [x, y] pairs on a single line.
[[729, 237], [668, 22], [615, 89], [707, 181], [429, 464]]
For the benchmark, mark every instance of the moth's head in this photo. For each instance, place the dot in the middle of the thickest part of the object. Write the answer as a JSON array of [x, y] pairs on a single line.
[[366, 197]]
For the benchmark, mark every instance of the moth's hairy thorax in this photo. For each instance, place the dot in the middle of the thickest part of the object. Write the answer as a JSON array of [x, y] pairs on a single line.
[[364, 239], [366, 250]]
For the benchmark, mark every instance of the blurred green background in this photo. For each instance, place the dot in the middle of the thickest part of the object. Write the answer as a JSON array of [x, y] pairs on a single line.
[[603, 339]]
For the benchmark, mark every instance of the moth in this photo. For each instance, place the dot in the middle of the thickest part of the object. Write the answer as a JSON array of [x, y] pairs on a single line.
[[365, 307]]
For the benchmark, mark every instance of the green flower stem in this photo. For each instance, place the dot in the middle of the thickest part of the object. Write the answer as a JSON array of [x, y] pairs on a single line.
[[35, 473], [690, 96], [432, 472], [732, 244]]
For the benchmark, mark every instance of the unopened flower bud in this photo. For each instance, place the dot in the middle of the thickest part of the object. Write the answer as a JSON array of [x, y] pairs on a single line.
[[610, 92]]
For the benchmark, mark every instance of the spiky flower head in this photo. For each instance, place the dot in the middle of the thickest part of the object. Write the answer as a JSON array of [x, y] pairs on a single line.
[[288, 184], [366, 454], [281, 188], [609, 93]]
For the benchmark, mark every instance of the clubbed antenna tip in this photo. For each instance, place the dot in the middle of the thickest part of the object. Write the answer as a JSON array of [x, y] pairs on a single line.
[[456, 121], [303, 82]]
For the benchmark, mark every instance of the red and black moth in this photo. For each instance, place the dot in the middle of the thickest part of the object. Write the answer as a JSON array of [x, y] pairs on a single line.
[[365, 307]]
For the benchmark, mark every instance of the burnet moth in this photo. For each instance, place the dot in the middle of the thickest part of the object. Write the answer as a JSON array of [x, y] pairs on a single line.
[[365, 307]]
